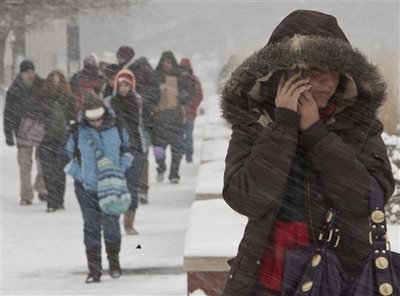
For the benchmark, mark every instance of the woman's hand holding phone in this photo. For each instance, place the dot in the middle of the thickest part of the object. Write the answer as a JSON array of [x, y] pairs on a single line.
[[290, 90], [293, 93]]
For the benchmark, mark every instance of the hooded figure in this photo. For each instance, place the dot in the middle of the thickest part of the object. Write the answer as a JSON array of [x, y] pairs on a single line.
[[127, 104], [169, 117], [193, 87], [305, 138]]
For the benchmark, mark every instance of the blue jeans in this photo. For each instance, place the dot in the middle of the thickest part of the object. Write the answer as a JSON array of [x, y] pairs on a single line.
[[188, 144], [94, 220], [133, 175]]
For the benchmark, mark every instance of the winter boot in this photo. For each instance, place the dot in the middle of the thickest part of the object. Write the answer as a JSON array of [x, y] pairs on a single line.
[[94, 265], [143, 198], [129, 218], [113, 259]]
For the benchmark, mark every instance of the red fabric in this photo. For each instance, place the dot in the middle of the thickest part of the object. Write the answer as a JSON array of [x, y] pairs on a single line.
[[191, 108], [327, 112], [285, 236]]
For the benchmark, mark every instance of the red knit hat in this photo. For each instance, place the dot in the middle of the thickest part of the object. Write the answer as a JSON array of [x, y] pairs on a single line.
[[127, 76]]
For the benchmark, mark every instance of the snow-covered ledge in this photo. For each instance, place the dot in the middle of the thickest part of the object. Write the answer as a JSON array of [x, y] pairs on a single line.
[[212, 238], [214, 232], [214, 149], [210, 180]]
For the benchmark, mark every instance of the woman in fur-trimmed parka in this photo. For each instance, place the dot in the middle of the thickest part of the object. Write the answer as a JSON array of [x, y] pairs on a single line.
[[305, 138]]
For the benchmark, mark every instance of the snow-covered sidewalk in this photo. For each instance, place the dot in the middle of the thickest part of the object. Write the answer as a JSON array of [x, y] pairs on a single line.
[[43, 253]]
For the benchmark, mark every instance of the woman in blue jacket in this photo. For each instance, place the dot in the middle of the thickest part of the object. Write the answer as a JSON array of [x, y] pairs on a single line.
[[97, 125]]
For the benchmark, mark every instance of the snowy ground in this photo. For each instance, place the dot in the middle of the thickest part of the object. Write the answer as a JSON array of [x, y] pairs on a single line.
[[43, 253]]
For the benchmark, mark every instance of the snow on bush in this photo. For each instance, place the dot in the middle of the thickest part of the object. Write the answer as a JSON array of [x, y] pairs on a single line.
[[393, 147]]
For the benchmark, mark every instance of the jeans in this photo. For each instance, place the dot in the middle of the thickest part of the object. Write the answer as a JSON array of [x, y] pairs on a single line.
[[188, 144], [94, 220]]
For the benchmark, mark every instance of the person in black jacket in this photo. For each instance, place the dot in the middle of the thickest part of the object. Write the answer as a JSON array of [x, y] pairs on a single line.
[[86, 80], [169, 116], [127, 105], [23, 124], [306, 139], [147, 86]]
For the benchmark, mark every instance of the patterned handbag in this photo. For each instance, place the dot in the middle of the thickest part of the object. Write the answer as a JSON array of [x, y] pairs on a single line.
[[31, 132], [316, 271]]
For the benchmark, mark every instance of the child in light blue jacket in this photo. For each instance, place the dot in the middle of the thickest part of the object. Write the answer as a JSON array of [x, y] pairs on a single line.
[[96, 124]]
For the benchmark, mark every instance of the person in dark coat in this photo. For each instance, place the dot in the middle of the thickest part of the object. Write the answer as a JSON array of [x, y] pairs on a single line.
[[128, 107], [110, 72], [58, 112], [192, 81], [169, 116], [147, 86], [23, 126], [86, 80], [125, 56], [305, 138]]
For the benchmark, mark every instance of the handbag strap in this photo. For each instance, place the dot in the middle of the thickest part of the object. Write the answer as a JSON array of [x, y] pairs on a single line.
[[330, 236], [378, 229]]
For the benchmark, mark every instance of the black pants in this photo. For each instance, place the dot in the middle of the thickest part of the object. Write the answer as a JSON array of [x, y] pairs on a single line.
[[53, 159]]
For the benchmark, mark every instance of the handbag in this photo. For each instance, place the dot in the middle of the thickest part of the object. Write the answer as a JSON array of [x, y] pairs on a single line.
[[316, 271], [112, 191], [30, 132]]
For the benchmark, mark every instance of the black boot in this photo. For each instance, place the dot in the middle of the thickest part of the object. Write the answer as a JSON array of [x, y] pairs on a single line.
[[112, 250], [94, 265]]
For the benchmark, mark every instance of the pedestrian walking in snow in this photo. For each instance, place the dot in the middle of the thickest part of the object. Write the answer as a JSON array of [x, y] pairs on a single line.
[[86, 80], [125, 56], [305, 139], [108, 86], [169, 117], [148, 88], [23, 124], [97, 133], [192, 81], [128, 105], [58, 111]]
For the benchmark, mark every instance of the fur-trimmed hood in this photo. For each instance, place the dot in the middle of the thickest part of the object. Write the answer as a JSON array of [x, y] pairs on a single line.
[[305, 38]]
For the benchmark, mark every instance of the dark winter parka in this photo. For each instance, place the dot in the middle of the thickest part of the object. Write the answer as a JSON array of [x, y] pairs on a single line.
[[337, 158], [168, 122], [147, 86], [22, 101]]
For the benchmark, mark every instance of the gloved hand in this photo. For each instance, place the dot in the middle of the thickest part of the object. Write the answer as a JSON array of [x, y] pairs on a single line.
[[10, 140]]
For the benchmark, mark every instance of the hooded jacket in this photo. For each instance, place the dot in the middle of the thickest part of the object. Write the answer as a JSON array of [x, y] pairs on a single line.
[[128, 111], [193, 86], [337, 158], [113, 141], [148, 88]]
